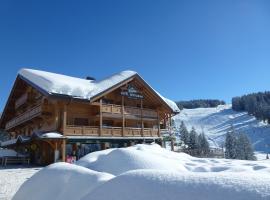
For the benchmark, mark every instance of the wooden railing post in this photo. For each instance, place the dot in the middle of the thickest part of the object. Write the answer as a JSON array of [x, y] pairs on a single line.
[[123, 116], [64, 127], [142, 126], [158, 122], [100, 118]]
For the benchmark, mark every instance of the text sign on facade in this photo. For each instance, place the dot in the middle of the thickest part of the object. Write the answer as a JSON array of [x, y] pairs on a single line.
[[131, 92]]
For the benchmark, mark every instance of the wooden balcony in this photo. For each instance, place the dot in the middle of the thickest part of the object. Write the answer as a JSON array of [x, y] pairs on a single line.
[[21, 101], [110, 131], [26, 116], [117, 109]]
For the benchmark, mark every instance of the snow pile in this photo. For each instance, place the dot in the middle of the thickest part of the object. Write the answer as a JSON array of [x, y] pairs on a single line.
[[118, 161], [160, 185], [51, 135], [145, 172], [61, 181], [215, 122]]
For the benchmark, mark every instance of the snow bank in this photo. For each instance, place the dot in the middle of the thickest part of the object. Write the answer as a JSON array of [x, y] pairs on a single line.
[[61, 181], [161, 185], [145, 172], [117, 161]]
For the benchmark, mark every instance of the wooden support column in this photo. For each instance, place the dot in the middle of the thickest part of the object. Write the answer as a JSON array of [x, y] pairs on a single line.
[[158, 123], [171, 133], [64, 133], [142, 126], [123, 115], [100, 117], [64, 119], [64, 150]]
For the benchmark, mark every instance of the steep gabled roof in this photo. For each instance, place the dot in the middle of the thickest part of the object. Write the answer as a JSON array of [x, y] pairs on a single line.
[[58, 84]]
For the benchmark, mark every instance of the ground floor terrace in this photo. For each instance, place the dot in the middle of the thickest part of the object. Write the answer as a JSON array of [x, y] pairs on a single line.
[[54, 147]]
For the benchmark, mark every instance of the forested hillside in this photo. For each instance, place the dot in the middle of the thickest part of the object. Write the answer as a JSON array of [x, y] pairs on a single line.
[[256, 104], [200, 103]]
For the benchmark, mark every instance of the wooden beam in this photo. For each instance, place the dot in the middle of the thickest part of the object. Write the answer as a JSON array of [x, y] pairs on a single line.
[[112, 89], [100, 117], [158, 122], [142, 117], [123, 116], [64, 150], [64, 118]]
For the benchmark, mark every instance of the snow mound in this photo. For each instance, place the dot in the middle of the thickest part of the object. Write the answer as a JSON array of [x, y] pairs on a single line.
[[61, 181], [118, 161], [160, 185], [145, 172]]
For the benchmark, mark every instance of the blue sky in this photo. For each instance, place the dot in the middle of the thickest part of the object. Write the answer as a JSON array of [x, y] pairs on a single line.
[[184, 49]]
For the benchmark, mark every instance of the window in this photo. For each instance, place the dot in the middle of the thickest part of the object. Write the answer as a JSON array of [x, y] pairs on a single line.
[[81, 121]]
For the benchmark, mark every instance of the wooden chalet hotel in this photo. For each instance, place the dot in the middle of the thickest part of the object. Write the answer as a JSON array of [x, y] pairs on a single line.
[[54, 117]]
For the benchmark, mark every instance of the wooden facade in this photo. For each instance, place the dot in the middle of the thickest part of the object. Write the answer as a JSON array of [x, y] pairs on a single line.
[[110, 118]]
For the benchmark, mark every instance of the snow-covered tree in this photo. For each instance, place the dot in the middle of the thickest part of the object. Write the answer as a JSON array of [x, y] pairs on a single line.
[[230, 144], [184, 134], [238, 146], [204, 148], [193, 144], [244, 148]]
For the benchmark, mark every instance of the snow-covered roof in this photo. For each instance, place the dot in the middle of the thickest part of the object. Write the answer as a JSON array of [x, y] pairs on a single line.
[[23, 139], [51, 135], [53, 83], [8, 142], [20, 138]]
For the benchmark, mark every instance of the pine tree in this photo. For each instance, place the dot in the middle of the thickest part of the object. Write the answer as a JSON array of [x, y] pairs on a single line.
[[184, 134], [193, 142], [204, 148], [230, 144], [238, 146], [244, 148]]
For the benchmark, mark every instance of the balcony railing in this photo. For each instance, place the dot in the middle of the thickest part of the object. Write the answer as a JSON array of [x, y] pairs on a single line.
[[28, 115], [110, 131], [22, 100], [117, 109]]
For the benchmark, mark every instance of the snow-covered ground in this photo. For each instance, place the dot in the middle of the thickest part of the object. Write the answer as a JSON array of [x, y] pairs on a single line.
[[145, 172], [12, 178], [215, 122]]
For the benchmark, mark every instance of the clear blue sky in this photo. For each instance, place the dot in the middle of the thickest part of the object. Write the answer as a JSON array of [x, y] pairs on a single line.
[[184, 49]]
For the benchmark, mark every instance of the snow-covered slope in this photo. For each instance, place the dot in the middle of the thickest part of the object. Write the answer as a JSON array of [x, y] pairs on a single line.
[[215, 122], [146, 172]]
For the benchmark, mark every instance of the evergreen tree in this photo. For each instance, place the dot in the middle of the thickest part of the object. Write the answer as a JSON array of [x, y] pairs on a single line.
[[204, 148], [184, 134], [193, 145], [230, 144], [238, 146], [244, 148]]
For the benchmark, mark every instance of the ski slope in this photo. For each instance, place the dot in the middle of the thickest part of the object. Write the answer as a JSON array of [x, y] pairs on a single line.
[[215, 122]]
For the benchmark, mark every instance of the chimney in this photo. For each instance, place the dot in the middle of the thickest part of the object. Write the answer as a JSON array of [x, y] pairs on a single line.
[[90, 78]]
